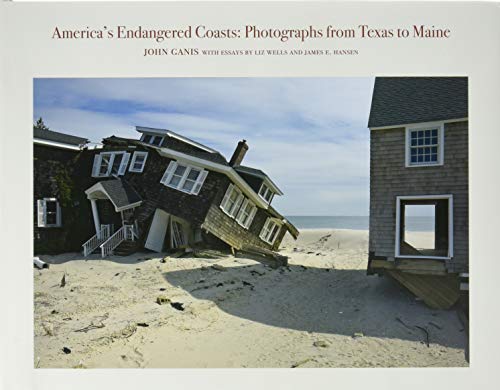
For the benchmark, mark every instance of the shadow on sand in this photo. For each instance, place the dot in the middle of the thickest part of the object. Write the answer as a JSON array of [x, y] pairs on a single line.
[[333, 301]]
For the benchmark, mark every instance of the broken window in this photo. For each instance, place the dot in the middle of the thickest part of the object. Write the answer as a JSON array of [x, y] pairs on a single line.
[[424, 226], [270, 230], [178, 235], [152, 139], [110, 163], [49, 213], [184, 178], [138, 162]]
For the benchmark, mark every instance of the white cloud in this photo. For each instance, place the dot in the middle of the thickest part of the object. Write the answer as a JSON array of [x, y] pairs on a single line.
[[309, 134]]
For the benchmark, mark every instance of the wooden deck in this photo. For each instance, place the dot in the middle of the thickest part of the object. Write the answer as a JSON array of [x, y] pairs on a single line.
[[437, 291]]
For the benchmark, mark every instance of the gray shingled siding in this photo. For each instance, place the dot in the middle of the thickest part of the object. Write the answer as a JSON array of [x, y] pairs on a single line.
[[390, 178]]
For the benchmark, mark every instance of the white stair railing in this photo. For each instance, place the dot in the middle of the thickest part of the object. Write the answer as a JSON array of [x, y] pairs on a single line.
[[95, 241], [126, 232]]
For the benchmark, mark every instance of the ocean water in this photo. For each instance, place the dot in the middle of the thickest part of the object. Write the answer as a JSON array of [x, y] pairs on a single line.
[[414, 224]]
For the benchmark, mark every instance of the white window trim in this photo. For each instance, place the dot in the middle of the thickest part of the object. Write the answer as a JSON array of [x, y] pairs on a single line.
[[450, 226], [425, 126], [239, 201], [268, 189], [98, 162], [42, 213], [169, 172], [134, 158], [153, 137], [274, 221], [251, 215]]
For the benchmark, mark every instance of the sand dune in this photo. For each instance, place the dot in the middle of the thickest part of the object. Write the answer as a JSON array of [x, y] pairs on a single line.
[[320, 311]]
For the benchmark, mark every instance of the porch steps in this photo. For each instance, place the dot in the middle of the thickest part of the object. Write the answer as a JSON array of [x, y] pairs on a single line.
[[126, 248], [438, 292]]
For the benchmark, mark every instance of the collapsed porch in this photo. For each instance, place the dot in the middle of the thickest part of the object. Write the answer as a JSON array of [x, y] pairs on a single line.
[[113, 203]]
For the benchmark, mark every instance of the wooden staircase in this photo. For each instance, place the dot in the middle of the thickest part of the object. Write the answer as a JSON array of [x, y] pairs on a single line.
[[126, 248]]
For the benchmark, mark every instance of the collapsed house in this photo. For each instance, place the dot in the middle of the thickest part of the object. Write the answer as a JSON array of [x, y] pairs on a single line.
[[165, 191], [57, 198], [419, 157]]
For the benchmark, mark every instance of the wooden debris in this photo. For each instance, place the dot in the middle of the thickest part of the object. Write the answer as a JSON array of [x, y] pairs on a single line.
[[63, 281], [162, 299], [90, 327]]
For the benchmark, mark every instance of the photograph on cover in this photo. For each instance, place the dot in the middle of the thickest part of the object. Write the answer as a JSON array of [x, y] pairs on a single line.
[[250, 222]]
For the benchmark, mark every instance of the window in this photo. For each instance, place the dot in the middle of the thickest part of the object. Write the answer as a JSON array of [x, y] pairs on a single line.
[[152, 139], [138, 162], [266, 193], [424, 145], [424, 226], [237, 206], [232, 200], [246, 214], [49, 213], [270, 231], [178, 235], [110, 164], [184, 178]]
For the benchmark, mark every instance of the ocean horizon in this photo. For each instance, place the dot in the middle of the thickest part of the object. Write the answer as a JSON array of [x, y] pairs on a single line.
[[414, 224]]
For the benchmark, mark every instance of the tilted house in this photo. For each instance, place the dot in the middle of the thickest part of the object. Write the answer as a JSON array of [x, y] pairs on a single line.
[[165, 191], [55, 157], [419, 156]]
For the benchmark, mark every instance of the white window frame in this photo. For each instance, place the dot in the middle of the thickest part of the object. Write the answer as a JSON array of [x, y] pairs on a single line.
[[440, 147], [169, 173], [243, 213], [96, 168], [267, 190], [232, 211], [153, 138], [267, 230], [134, 158], [42, 213], [450, 226]]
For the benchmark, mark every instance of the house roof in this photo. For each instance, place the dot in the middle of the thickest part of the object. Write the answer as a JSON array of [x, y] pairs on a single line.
[[258, 173], [405, 100], [195, 148], [118, 191], [58, 138]]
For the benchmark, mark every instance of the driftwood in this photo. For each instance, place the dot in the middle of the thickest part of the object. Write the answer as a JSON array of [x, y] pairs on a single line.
[[63, 281], [422, 328], [90, 327]]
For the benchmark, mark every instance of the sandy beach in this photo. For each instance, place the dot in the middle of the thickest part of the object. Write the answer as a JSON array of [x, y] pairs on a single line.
[[225, 311]]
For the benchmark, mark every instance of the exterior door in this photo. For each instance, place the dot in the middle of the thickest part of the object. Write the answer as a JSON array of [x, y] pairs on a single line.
[[157, 231]]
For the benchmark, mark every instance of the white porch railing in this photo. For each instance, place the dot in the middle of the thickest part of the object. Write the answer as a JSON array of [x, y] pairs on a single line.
[[94, 242], [126, 232]]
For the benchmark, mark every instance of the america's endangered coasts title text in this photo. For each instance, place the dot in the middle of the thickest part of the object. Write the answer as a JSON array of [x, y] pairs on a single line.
[[302, 34]]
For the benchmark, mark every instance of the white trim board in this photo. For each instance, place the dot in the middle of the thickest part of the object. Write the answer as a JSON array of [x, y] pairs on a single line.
[[450, 225], [152, 130], [56, 144], [397, 126]]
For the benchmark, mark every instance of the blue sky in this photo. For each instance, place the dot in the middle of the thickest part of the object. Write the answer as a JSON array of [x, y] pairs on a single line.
[[309, 134]]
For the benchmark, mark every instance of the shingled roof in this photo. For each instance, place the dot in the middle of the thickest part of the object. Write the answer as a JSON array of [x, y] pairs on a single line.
[[54, 136], [404, 100], [118, 191]]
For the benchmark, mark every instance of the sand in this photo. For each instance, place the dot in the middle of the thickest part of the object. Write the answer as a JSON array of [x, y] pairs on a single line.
[[321, 311]]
